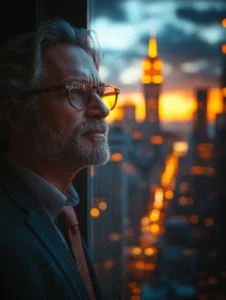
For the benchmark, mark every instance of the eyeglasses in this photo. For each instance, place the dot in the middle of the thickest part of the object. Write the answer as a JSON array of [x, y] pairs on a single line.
[[79, 94]]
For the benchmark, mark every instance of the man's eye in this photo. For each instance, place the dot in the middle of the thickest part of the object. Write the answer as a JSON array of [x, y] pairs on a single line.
[[79, 89], [101, 91], [75, 91]]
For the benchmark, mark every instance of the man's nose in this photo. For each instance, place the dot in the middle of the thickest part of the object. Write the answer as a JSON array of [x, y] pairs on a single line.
[[96, 108]]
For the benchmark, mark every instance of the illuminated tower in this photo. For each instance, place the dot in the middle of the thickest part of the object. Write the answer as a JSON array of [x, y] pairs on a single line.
[[152, 80]]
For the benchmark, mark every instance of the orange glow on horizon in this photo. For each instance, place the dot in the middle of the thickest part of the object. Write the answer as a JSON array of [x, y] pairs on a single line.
[[174, 105]]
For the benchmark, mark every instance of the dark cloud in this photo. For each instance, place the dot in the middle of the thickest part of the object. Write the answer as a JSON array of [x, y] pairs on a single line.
[[176, 46], [208, 16], [109, 9]]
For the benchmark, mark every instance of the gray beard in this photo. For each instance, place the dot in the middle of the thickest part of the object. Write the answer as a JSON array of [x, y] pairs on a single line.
[[72, 148]]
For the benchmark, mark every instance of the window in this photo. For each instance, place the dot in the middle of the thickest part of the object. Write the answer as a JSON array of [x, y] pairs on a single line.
[[160, 230]]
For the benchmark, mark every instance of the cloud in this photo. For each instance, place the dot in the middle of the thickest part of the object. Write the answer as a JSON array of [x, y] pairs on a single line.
[[194, 67], [175, 45], [203, 15], [108, 8], [189, 40], [131, 74], [114, 36]]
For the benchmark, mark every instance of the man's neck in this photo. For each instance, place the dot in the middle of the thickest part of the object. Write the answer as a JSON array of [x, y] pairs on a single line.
[[58, 173]]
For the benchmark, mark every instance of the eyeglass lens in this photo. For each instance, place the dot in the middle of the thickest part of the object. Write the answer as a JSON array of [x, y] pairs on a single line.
[[80, 95]]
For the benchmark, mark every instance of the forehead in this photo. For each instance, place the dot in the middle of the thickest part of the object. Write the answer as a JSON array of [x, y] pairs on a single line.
[[65, 62]]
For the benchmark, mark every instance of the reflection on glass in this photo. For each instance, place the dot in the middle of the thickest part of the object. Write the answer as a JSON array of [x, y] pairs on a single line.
[[158, 206]]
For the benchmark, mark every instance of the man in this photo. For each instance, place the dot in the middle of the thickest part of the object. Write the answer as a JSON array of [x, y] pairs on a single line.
[[53, 110]]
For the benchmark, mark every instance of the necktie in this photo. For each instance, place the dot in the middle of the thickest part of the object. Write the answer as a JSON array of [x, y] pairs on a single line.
[[68, 223]]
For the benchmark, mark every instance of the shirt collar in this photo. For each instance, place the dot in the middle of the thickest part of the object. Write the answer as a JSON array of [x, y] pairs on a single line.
[[50, 197]]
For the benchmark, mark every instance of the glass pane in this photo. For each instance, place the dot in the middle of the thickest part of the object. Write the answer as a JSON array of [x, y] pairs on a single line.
[[158, 205], [108, 95]]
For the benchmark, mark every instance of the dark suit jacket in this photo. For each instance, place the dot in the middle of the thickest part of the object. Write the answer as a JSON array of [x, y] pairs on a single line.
[[34, 261]]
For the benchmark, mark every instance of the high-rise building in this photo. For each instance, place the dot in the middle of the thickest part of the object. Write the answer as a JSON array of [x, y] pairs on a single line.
[[200, 118], [129, 117], [110, 197], [223, 76], [152, 80], [220, 196]]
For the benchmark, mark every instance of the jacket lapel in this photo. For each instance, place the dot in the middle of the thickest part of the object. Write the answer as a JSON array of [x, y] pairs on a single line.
[[41, 225]]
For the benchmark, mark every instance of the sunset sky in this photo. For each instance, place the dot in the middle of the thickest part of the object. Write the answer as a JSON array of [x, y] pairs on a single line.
[[190, 36]]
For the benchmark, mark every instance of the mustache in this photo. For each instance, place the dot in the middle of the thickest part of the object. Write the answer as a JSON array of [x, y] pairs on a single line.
[[95, 125]]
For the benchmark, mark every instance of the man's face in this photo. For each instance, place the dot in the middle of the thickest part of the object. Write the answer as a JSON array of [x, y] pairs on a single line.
[[62, 132]]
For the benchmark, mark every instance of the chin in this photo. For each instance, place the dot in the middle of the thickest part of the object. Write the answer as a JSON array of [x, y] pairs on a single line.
[[99, 159], [88, 156]]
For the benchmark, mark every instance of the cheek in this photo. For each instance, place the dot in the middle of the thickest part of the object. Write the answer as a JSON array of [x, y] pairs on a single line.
[[60, 115]]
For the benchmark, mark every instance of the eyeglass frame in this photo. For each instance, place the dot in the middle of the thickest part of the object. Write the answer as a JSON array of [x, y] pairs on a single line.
[[67, 87]]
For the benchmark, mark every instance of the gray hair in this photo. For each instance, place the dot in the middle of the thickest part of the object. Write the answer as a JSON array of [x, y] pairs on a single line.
[[22, 68]]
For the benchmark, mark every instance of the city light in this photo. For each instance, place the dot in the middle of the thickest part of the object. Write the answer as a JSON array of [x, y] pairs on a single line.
[[137, 251], [115, 236], [146, 64], [158, 198], [149, 251], [158, 65], [156, 139], [209, 221], [224, 22], [180, 148], [224, 92], [183, 200], [116, 157], [150, 267], [154, 215], [132, 284], [140, 264], [136, 291], [169, 194], [145, 221], [136, 135], [102, 205], [152, 49], [157, 79], [194, 219], [199, 170], [146, 79], [95, 212], [184, 187], [155, 229], [92, 171], [212, 280], [109, 264]]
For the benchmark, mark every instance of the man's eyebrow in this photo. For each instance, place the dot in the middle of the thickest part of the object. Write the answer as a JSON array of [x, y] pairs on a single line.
[[79, 79], [73, 79]]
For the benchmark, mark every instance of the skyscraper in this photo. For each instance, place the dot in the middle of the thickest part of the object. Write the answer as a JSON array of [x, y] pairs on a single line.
[[152, 80], [110, 186], [223, 76]]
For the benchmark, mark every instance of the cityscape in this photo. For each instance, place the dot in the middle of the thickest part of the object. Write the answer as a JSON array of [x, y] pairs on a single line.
[[158, 209]]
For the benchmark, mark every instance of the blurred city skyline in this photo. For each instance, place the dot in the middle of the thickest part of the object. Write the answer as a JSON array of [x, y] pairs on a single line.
[[190, 37]]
